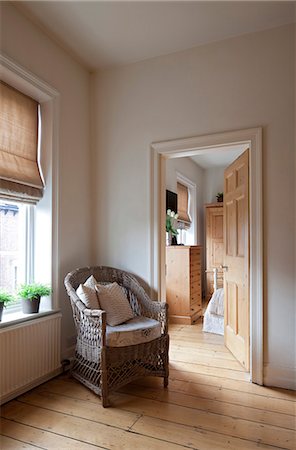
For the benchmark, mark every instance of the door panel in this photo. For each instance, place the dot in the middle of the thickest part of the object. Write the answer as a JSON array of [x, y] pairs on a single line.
[[236, 259]]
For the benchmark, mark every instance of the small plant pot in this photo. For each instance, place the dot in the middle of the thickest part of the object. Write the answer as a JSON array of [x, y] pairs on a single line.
[[30, 306], [1, 310]]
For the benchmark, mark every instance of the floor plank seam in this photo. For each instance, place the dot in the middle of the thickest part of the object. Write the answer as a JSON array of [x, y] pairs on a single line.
[[19, 440], [220, 401], [220, 387], [74, 415], [52, 432], [137, 419], [169, 421], [211, 412], [207, 365]]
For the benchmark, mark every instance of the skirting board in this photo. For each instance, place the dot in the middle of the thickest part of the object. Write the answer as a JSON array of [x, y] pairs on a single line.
[[280, 376]]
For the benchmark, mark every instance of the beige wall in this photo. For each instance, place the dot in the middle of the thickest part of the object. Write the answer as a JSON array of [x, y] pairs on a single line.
[[31, 48], [234, 84]]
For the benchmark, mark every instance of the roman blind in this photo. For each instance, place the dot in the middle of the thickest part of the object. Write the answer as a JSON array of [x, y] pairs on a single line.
[[20, 177], [183, 205]]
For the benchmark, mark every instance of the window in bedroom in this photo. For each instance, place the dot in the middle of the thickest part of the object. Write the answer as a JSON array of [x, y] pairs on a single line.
[[186, 191], [21, 188]]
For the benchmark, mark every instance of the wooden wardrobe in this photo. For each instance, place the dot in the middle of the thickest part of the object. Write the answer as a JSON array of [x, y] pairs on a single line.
[[214, 245]]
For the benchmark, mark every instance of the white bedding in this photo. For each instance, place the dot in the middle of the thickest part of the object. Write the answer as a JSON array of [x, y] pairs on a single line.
[[214, 315], [216, 304]]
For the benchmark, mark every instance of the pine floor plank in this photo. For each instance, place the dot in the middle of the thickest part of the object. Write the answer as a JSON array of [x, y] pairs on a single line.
[[192, 436], [232, 426], [91, 432], [223, 395], [80, 408], [217, 407], [7, 443], [208, 370], [208, 405], [195, 358], [44, 439], [241, 386], [203, 349], [186, 415]]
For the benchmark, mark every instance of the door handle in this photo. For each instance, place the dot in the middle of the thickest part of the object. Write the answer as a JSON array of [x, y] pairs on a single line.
[[224, 267]]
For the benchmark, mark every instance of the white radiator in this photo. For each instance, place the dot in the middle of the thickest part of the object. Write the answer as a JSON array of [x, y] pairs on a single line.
[[29, 355]]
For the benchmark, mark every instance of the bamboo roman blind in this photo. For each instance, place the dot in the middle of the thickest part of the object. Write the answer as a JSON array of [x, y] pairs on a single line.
[[20, 177], [183, 205]]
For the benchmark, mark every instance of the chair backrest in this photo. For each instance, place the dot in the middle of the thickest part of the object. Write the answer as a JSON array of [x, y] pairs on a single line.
[[103, 274]]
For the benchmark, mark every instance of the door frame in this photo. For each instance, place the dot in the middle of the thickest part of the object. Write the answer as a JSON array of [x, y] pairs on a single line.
[[162, 151]]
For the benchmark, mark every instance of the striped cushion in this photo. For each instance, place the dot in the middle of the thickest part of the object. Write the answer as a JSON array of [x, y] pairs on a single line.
[[88, 296], [114, 301]]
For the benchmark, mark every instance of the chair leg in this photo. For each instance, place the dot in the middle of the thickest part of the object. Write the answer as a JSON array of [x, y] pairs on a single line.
[[105, 401], [165, 382]]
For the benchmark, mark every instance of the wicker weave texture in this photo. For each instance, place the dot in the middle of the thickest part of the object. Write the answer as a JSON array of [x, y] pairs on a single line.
[[105, 369]]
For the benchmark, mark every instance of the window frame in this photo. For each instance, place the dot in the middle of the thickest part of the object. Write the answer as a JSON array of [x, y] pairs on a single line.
[[48, 98]]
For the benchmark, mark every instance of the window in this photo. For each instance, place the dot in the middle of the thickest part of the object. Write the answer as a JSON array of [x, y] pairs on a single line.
[[187, 225], [21, 189], [16, 244]]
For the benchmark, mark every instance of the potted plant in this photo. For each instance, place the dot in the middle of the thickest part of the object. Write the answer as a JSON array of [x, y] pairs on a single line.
[[219, 197], [5, 299], [31, 294], [170, 226]]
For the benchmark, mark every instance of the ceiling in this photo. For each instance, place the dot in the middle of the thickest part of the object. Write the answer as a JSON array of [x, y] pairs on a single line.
[[219, 157], [102, 34]]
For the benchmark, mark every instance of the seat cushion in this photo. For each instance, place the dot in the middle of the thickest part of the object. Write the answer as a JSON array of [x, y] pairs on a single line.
[[136, 331]]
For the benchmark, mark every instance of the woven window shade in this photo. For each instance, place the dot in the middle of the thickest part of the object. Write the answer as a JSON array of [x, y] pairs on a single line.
[[20, 177], [183, 203]]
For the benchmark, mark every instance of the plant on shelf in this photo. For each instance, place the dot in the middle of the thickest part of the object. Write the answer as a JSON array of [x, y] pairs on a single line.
[[170, 225], [219, 197], [5, 299], [31, 294]]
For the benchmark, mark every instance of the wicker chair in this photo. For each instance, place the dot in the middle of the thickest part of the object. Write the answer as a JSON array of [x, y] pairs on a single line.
[[105, 369]]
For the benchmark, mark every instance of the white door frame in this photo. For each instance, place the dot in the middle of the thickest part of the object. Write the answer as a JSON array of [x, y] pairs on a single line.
[[161, 151]]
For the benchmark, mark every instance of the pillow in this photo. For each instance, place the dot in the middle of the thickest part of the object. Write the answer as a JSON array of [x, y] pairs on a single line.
[[114, 301], [91, 282], [88, 296]]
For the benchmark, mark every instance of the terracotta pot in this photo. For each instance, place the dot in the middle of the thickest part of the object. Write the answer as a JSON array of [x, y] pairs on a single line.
[[30, 306]]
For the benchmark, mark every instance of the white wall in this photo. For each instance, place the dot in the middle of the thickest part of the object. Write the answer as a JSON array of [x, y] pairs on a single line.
[[238, 83], [188, 168], [213, 183], [31, 48]]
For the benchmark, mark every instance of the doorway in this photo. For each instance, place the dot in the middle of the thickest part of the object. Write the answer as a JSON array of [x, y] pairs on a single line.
[[200, 145]]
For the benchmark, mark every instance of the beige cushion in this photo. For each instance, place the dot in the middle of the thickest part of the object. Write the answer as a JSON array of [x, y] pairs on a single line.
[[114, 301], [136, 331], [88, 296], [91, 282]]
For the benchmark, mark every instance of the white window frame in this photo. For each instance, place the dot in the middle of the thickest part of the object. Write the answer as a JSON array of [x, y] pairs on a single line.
[[28, 252], [48, 98]]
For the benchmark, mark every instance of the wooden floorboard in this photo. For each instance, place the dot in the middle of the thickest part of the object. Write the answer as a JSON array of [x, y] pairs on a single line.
[[208, 405]]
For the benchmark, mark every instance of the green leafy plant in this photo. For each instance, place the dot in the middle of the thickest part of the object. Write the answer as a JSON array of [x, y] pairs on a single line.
[[171, 219], [219, 197], [33, 291], [6, 298]]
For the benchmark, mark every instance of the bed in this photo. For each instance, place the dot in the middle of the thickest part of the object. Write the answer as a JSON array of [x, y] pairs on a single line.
[[214, 315]]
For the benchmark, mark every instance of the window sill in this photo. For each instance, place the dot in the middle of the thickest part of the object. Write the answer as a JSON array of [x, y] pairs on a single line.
[[19, 317]]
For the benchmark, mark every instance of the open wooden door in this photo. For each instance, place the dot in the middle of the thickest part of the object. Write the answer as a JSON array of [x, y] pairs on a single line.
[[236, 259]]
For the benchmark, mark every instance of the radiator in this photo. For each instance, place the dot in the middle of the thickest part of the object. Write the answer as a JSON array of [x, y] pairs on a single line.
[[30, 355]]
